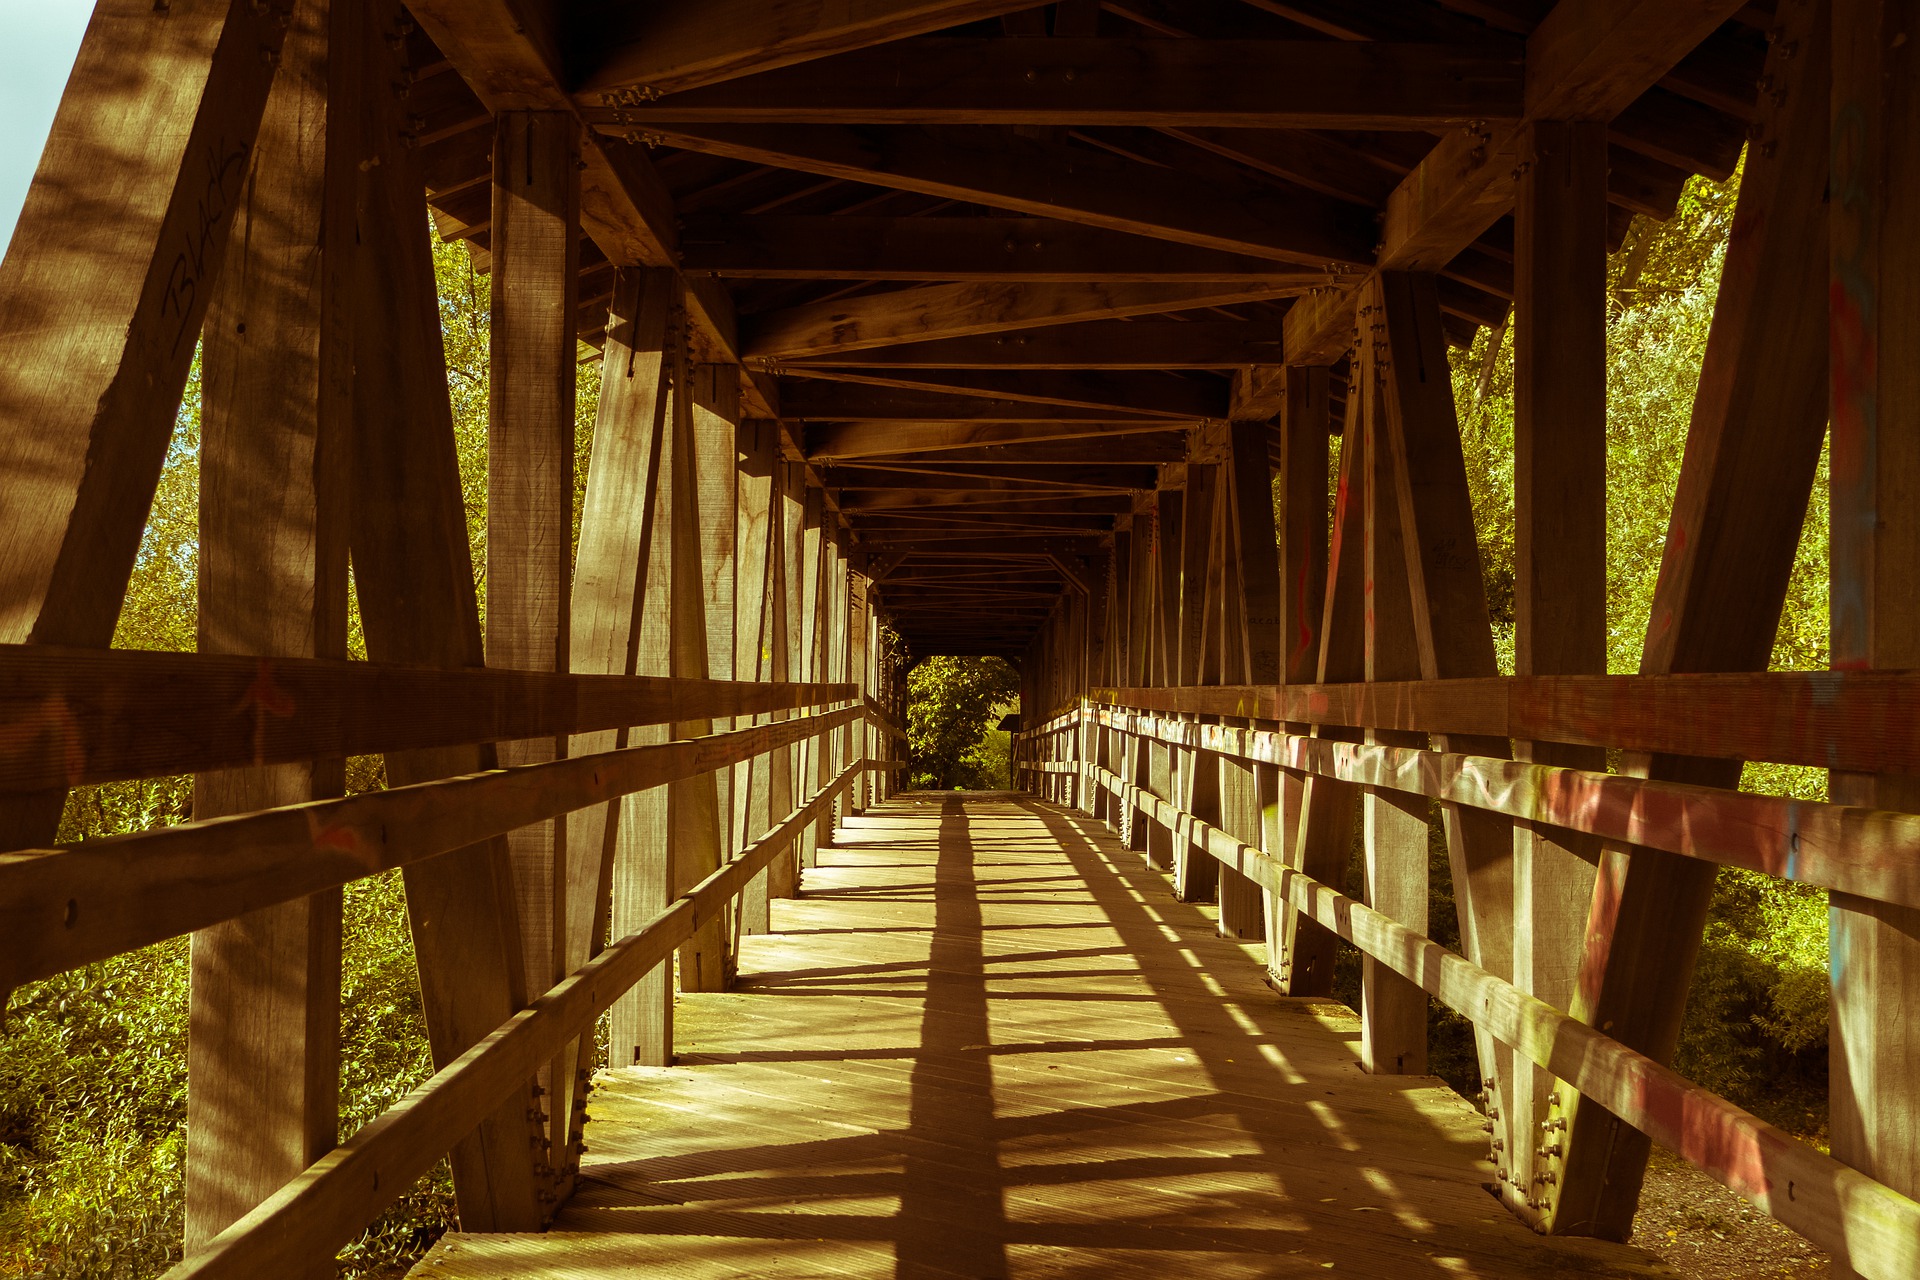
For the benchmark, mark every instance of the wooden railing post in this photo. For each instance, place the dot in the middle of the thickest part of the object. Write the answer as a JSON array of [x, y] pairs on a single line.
[[1560, 589], [1393, 1011], [620, 565], [1305, 425], [755, 657], [1250, 578], [1196, 771], [1753, 448], [263, 1053], [1875, 246], [1162, 760], [530, 426]]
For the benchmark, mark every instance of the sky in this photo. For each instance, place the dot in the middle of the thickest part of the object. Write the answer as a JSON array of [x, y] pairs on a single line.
[[38, 41]]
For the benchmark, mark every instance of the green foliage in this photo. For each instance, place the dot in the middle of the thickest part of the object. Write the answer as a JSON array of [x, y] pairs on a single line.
[[952, 706], [93, 1062]]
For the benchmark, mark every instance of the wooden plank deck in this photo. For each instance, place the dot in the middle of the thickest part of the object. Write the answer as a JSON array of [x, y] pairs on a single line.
[[988, 1042]]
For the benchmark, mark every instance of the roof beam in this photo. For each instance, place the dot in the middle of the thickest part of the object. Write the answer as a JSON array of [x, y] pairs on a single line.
[[1152, 83], [963, 310], [1142, 449], [1088, 344], [1075, 183], [836, 441], [1012, 500], [670, 45], [807, 400], [1587, 60], [901, 479], [1127, 394], [856, 247]]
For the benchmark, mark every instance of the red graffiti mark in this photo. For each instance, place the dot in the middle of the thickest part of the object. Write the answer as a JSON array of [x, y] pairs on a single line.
[[50, 729], [1856, 361], [265, 698]]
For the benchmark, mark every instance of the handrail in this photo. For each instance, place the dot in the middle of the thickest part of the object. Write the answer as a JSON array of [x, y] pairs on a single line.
[[1866, 721], [1870, 852], [64, 907], [70, 717], [1836, 1207], [322, 1208]]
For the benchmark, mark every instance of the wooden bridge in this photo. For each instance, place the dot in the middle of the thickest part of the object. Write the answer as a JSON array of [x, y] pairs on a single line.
[[966, 326]]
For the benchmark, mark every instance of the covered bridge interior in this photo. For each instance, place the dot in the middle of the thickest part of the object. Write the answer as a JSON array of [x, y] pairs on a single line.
[[1109, 336]]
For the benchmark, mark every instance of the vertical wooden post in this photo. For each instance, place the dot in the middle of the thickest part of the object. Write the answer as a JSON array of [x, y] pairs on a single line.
[[755, 609], [87, 405], [413, 572], [1451, 626], [1305, 426], [1875, 398], [813, 612], [530, 395], [783, 873], [701, 606], [610, 587], [1322, 841], [1252, 581], [1196, 773], [1393, 1011], [1140, 625], [263, 1053], [1560, 504], [1753, 447]]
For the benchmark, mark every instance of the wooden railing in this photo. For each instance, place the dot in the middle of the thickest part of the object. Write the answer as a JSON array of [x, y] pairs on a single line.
[[75, 717], [1086, 757]]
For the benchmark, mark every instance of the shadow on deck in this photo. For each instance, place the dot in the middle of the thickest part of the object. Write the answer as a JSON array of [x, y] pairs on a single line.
[[988, 1042]]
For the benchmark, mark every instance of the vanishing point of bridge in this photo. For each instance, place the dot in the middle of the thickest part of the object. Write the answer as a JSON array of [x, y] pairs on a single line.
[[1111, 336]]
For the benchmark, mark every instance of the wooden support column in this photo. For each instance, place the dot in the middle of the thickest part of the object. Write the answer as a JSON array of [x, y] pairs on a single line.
[[756, 596], [1141, 753], [1451, 627], [87, 404], [1753, 447], [413, 573], [610, 587], [813, 648], [702, 625], [263, 1053], [783, 873], [1560, 505], [1874, 1045], [1303, 582], [1393, 1011], [1251, 577], [1324, 828], [1196, 773], [530, 395]]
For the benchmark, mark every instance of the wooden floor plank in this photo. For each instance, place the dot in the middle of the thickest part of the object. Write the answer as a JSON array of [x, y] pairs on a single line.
[[985, 1041]]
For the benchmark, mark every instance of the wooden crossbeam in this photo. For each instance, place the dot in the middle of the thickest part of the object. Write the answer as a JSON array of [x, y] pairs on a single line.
[[1088, 344], [814, 401], [835, 441], [1128, 394], [963, 310], [1076, 183], [1104, 448], [857, 247], [1156, 83], [901, 477], [987, 498]]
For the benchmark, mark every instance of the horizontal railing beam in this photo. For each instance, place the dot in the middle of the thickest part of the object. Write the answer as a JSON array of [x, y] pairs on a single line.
[[71, 717], [1870, 852], [1867, 721], [324, 1208], [64, 907]]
